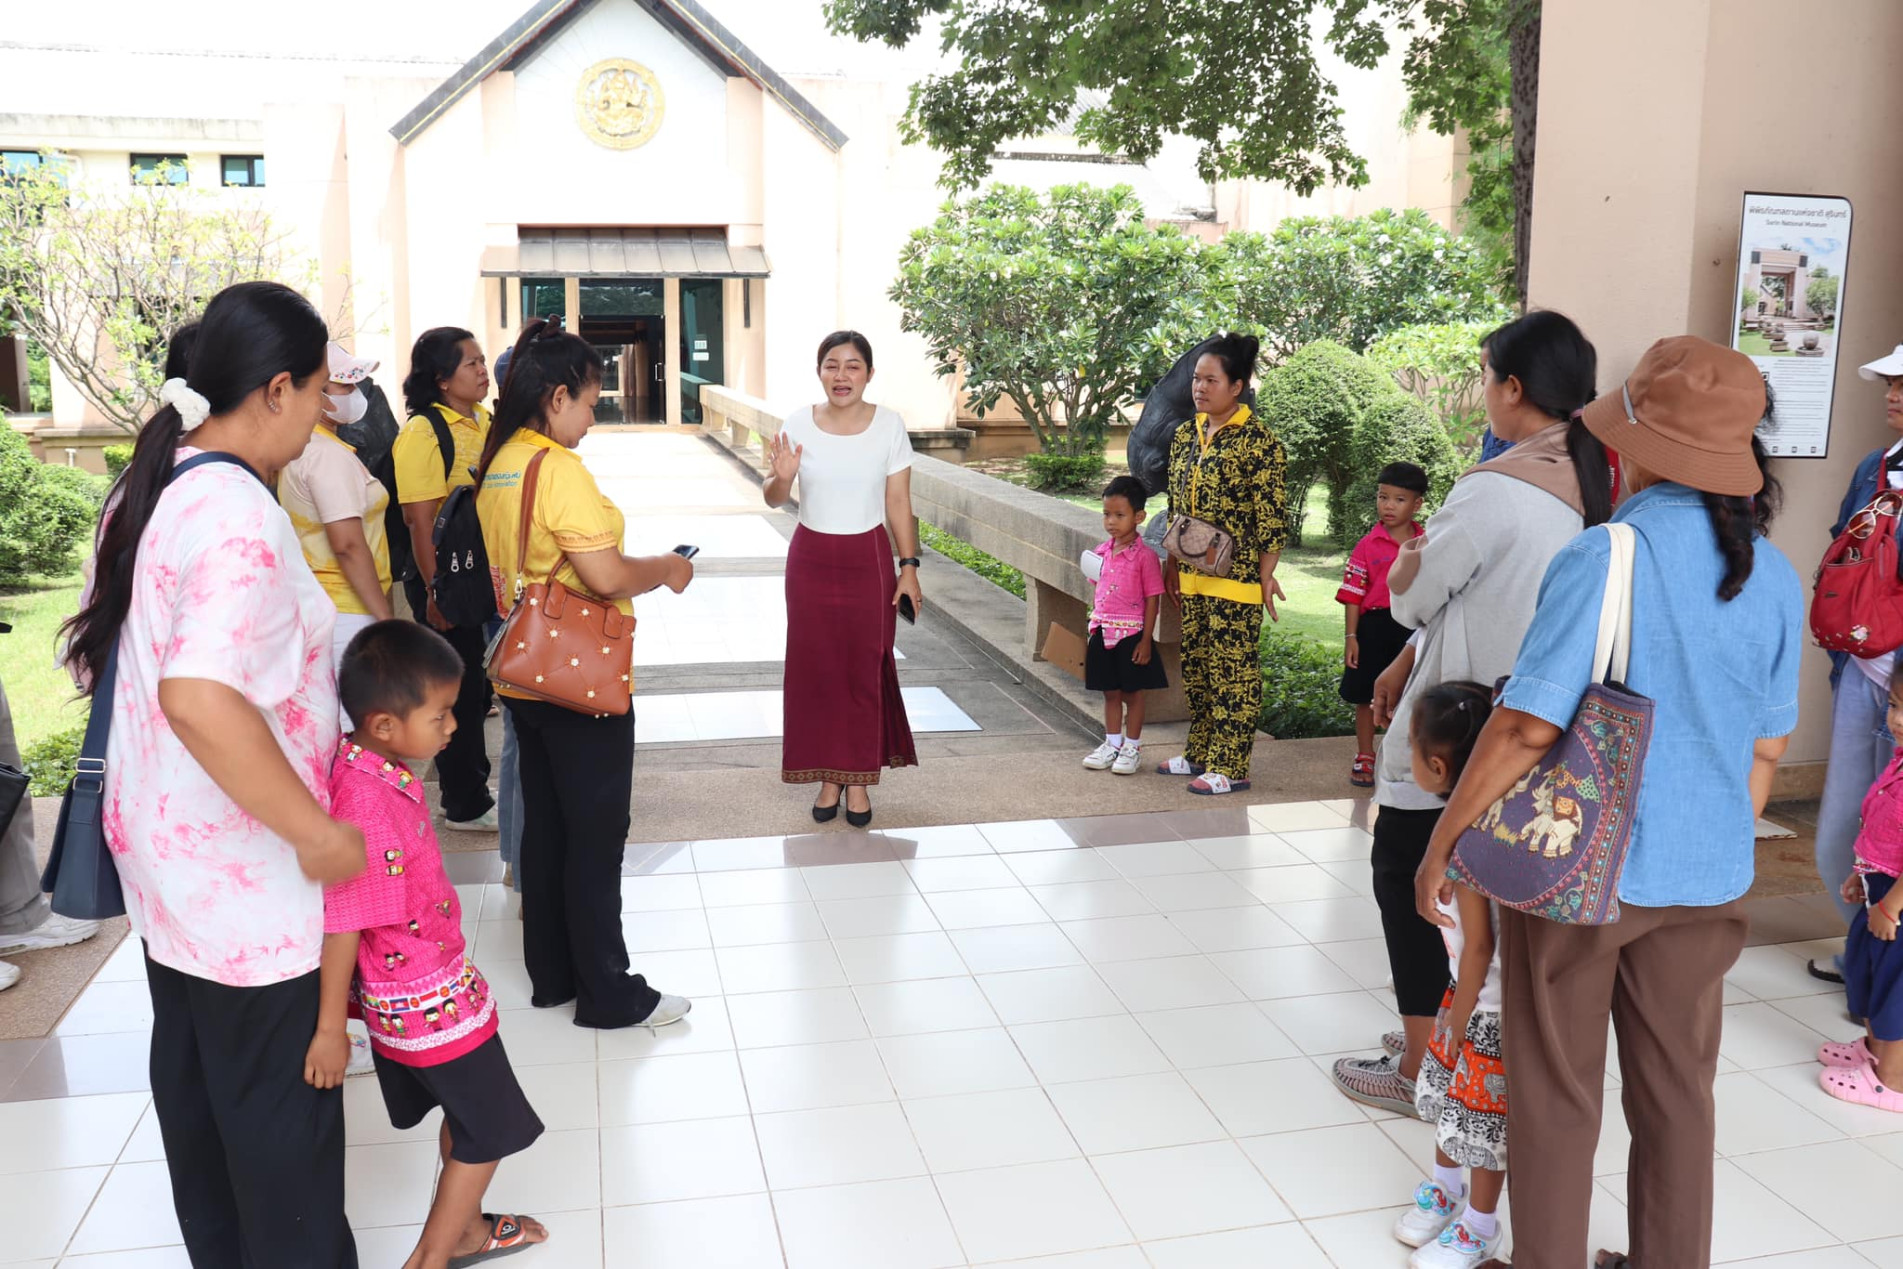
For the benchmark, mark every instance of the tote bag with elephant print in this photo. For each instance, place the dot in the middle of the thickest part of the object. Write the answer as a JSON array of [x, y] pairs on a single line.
[[1555, 845]]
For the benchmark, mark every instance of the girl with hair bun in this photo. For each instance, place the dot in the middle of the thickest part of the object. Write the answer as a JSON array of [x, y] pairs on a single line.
[[1227, 469]]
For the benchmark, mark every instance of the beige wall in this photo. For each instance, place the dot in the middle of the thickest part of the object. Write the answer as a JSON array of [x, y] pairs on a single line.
[[1645, 150]]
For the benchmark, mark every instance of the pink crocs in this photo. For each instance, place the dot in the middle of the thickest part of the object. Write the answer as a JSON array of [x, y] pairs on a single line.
[[1856, 1053], [1859, 1084]]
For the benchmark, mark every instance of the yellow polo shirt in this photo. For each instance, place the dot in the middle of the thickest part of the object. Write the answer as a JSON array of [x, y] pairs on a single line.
[[324, 485], [419, 460]]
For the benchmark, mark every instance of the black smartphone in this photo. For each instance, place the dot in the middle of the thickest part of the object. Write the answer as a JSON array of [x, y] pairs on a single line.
[[687, 552], [907, 611]]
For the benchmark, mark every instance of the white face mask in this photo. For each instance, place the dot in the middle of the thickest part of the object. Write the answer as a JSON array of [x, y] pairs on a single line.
[[346, 409]]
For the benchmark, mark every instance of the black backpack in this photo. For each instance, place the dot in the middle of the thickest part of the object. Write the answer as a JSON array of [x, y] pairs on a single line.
[[464, 592]]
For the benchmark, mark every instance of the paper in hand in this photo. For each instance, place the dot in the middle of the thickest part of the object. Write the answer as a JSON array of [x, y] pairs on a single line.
[[1092, 564]]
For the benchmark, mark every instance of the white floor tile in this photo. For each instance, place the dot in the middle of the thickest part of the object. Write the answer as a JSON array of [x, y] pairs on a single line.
[[952, 1062], [858, 881], [109, 1009], [40, 1210], [933, 1004], [1129, 938], [899, 958], [1840, 1185], [1252, 850], [125, 965], [1102, 1258], [753, 925], [944, 841], [565, 1097], [1056, 867], [767, 1019], [1002, 949], [814, 1076], [1363, 960], [660, 1090], [1343, 1023], [665, 931], [1283, 1246], [560, 1172], [1329, 1171], [706, 1029], [664, 893], [1193, 892], [655, 1163], [1155, 859], [882, 915], [1366, 1240], [961, 872], [1799, 1084], [882, 1225], [1326, 845], [1011, 837], [1753, 1117], [1194, 1189], [1289, 1095], [838, 1146], [740, 853], [1332, 920], [1292, 883], [1050, 995], [981, 909], [1035, 1209], [1273, 973], [1216, 1035], [1234, 929], [1091, 900], [68, 1132], [540, 1037], [1136, 1112], [385, 1184], [147, 1144], [1758, 1035], [989, 1130], [717, 1233], [1772, 973], [1088, 1049], [1291, 817], [780, 967], [750, 888], [1175, 982], [149, 1258]]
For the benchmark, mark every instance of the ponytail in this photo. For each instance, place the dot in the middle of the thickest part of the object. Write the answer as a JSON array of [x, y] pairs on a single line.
[[1593, 467], [1557, 367], [545, 357], [1738, 522], [250, 334]]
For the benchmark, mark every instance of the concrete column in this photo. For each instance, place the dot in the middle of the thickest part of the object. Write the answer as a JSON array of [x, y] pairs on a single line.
[[670, 342]]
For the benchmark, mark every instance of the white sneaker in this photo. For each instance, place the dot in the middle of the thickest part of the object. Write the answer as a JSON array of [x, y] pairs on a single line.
[[484, 823], [1102, 756], [668, 1009], [361, 1062], [55, 931], [1457, 1248], [1433, 1211], [9, 974], [1127, 758]]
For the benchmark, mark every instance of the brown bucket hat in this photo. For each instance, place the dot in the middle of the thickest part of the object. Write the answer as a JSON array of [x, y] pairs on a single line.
[[1687, 413]]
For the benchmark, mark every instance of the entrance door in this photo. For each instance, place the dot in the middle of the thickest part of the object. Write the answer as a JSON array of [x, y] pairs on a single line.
[[701, 351], [626, 320]]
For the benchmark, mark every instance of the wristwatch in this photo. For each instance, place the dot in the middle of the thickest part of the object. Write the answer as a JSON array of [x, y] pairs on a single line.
[[913, 560]]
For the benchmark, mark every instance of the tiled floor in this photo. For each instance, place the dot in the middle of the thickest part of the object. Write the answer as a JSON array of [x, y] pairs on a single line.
[[705, 716], [1095, 1044]]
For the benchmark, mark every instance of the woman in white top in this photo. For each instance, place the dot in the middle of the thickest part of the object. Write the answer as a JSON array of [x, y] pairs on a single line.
[[224, 721], [845, 720]]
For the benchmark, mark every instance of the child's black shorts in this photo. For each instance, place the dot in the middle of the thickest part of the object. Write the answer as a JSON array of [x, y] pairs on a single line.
[[1381, 638], [1113, 670], [489, 1117]]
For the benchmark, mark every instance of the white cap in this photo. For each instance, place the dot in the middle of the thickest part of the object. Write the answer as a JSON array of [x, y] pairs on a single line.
[[1884, 367], [344, 368]]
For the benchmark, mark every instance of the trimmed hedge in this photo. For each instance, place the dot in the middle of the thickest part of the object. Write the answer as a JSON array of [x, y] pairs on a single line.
[[45, 512], [1397, 428], [1301, 690], [48, 762], [1066, 473], [117, 458], [989, 567]]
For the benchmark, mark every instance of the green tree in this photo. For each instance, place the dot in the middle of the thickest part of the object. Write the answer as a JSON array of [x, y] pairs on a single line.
[[1820, 293], [44, 511], [1067, 304], [99, 278], [1439, 365], [1313, 402], [1349, 280]]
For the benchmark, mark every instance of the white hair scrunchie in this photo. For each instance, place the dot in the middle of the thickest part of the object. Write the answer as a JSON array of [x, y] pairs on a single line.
[[192, 407]]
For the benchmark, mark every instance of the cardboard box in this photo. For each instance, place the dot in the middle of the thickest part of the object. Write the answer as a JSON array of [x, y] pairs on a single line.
[[1064, 648]]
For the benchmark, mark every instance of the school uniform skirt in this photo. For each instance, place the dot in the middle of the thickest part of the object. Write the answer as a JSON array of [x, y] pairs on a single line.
[[845, 720]]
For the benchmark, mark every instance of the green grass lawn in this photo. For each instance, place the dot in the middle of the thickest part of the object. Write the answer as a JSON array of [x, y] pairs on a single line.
[[38, 690]]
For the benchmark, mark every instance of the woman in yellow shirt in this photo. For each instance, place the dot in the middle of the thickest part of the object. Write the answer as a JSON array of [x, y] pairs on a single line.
[[1228, 469], [576, 770], [337, 507]]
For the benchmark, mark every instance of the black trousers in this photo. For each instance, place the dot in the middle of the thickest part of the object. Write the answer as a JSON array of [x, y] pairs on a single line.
[[577, 776], [1417, 955], [256, 1154], [462, 769]]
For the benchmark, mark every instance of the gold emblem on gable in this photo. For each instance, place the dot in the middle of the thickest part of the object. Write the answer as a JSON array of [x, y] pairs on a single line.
[[619, 103]]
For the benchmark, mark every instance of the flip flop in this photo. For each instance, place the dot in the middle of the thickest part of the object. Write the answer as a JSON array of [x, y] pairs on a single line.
[[1179, 766], [1214, 782], [507, 1235], [1859, 1084], [1826, 972], [1856, 1053]]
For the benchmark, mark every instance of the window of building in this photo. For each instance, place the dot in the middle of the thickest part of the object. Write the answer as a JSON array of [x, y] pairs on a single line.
[[544, 297], [155, 169], [245, 170], [13, 162]]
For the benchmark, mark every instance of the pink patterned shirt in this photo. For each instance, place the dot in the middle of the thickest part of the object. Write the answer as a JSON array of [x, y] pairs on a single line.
[[220, 592], [1130, 578], [422, 998], [1880, 840]]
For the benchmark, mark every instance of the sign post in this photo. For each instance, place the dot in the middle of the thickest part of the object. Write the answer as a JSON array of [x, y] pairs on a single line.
[[1792, 251]]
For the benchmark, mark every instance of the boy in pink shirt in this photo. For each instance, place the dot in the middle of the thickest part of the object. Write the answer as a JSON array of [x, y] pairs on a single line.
[[394, 949], [1120, 659], [1374, 637]]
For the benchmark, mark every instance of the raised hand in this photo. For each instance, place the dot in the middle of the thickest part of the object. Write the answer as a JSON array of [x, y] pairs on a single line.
[[785, 457]]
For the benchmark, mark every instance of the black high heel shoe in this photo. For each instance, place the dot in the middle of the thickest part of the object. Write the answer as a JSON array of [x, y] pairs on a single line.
[[858, 819], [826, 814]]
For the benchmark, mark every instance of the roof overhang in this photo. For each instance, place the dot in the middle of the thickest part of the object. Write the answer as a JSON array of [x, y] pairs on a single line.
[[697, 28], [624, 252]]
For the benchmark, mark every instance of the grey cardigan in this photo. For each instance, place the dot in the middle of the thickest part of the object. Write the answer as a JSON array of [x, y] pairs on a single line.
[[1486, 552]]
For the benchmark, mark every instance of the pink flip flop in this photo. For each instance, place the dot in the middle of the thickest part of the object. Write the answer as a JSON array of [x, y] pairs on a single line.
[[1859, 1084], [1856, 1053]]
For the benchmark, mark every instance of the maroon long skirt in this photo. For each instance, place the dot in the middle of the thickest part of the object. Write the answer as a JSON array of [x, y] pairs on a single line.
[[845, 719]]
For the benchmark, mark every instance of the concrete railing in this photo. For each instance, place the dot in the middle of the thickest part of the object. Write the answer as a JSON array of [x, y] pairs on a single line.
[[1040, 536]]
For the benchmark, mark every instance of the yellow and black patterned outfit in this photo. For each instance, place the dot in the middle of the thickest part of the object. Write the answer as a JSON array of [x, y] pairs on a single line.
[[1236, 481]]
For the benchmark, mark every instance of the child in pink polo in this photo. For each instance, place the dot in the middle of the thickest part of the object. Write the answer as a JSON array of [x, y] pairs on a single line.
[[394, 949], [1120, 659], [1373, 637]]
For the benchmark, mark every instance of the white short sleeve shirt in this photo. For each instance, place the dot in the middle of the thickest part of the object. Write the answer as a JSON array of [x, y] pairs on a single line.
[[842, 478], [222, 593]]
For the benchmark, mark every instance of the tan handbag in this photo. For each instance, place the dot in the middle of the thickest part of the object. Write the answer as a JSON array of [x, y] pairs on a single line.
[[1200, 544], [562, 646]]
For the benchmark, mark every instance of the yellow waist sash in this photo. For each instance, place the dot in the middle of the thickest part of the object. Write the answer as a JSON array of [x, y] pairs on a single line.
[[1190, 582]]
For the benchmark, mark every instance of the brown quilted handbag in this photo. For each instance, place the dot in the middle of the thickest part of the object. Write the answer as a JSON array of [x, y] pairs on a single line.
[[1200, 544], [560, 645]]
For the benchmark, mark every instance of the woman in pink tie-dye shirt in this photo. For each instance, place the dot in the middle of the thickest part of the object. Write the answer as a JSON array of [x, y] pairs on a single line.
[[224, 718]]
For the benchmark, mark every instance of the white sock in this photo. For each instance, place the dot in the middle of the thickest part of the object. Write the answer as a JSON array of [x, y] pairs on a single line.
[[1482, 1225], [1449, 1180], [1113, 739], [1132, 742]]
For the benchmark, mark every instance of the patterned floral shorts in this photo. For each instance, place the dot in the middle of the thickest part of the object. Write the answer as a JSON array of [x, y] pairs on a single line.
[[1463, 1093]]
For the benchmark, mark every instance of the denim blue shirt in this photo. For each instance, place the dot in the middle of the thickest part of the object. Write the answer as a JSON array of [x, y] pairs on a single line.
[[1721, 676]]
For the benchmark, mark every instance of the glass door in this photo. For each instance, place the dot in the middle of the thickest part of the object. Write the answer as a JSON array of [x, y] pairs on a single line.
[[625, 319], [701, 344]]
